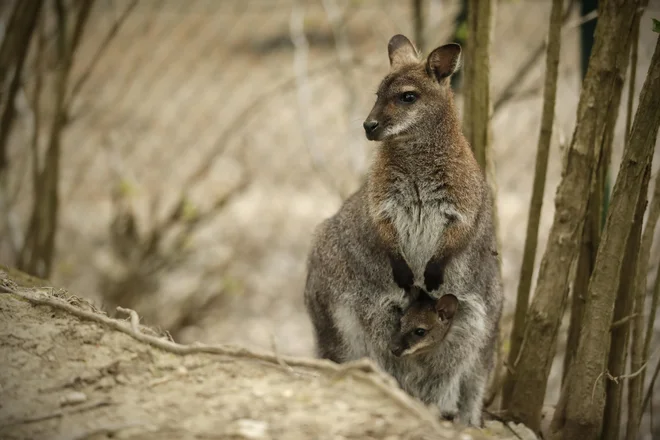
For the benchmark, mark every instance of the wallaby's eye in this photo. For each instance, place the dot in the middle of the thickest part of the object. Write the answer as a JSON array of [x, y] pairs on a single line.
[[408, 97], [420, 331]]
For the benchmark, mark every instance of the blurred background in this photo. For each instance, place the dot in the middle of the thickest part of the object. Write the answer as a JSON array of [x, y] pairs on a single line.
[[175, 157]]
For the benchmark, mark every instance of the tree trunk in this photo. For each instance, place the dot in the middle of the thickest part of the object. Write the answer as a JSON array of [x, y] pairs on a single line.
[[641, 340], [477, 101], [38, 251], [418, 24], [602, 82], [531, 238], [460, 37], [616, 364], [585, 393], [13, 52]]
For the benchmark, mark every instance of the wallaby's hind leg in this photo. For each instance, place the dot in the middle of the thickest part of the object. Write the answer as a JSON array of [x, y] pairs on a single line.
[[470, 403], [328, 341]]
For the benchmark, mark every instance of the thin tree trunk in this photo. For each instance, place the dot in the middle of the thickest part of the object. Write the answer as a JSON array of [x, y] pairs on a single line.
[[418, 24], [592, 228], [38, 251], [598, 205], [477, 101], [616, 364], [602, 82], [625, 300], [13, 52], [585, 393], [459, 36], [538, 189], [641, 340]]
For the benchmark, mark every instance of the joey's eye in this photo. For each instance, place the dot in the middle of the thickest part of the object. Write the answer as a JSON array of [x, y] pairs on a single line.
[[420, 331], [408, 97]]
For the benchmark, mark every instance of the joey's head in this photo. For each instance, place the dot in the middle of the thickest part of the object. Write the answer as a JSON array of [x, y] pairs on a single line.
[[415, 91], [423, 325]]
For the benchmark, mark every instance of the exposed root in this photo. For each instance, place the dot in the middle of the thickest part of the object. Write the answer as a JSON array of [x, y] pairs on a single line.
[[364, 369]]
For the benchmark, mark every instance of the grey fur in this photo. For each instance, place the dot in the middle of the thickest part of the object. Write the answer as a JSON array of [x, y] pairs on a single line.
[[350, 294]]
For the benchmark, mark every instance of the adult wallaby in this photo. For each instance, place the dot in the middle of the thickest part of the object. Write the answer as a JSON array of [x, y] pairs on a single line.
[[423, 217]]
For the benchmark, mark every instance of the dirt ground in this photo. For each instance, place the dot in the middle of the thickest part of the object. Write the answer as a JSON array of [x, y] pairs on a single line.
[[206, 82], [64, 376]]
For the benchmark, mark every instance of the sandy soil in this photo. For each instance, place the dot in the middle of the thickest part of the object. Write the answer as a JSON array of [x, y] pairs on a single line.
[[63, 377]]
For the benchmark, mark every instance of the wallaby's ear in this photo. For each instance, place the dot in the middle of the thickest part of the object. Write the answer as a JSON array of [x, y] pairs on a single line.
[[446, 306], [401, 51], [444, 61]]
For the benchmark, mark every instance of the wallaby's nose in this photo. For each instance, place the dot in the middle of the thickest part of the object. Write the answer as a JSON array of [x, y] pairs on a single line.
[[396, 351], [370, 126]]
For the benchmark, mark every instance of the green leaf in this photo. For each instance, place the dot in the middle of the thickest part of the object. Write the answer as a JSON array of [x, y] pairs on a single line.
[[462, 31], [126, 188], [656, 25], [188, 211]]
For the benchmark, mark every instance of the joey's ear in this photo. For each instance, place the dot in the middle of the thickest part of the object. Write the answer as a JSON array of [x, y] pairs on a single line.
[[444, 61], [446, 306], [401, 51]]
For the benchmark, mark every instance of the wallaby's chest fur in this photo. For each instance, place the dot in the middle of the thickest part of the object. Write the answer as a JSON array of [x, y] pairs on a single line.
[[419, 211]]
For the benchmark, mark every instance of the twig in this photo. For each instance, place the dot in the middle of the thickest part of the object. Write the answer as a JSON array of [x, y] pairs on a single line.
[[364, 369], [99, 53], [135, 319], [649, 391], [301, 47], [345, 55], [281, 362], [61, 412], [624, 320], [509, 90]]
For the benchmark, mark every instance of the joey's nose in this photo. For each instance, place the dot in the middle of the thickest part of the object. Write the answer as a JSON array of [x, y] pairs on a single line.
[[396, 351], [370, 126]]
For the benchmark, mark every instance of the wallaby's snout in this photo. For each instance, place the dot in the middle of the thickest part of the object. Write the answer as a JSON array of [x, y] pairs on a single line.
[[397, 349], [370, 128]]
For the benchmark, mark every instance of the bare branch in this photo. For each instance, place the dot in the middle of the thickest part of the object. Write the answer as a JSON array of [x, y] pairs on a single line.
[[78, 85], [13, 52], [638, 348], [345, 56], [301, 47], [538, 189], [517, 78]]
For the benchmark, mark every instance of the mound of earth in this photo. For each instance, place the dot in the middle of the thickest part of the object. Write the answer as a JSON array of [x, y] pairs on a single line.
[[68, 371]]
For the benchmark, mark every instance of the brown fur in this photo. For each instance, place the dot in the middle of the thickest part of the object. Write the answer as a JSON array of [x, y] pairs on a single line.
[[431, 316], [423, 217], [433, 150]]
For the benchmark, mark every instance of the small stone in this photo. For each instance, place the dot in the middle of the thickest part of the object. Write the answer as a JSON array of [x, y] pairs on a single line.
[[73, 398], [182, 370], [252, 429], [121, 379], [287, 393], [466, 437], [106, 382]]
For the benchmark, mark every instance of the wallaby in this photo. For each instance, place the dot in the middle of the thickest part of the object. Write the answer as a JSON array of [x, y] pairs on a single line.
[[424, 324], [423, 217]]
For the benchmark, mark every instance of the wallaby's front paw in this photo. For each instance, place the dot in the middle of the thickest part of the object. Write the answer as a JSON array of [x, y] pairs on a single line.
[[402, 273], [434, 274]]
